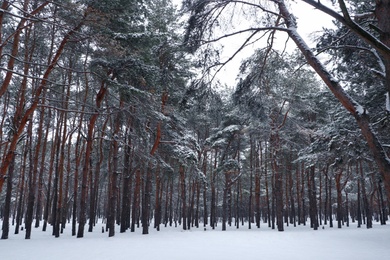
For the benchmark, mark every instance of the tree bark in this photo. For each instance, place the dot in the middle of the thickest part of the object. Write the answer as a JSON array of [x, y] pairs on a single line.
[[126, 190], [312, 198], [183, 195], [36, 99], [88, 151], [136, 200], [7, 203], [358, 112]]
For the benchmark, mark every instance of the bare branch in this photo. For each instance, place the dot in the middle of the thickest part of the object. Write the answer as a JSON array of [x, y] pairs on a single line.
[[353, 26]]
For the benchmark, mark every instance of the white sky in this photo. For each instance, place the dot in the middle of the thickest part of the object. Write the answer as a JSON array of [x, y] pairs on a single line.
[[310, 21]]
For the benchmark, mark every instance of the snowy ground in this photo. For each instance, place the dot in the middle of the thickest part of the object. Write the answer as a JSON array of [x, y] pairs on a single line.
[[174, 244]]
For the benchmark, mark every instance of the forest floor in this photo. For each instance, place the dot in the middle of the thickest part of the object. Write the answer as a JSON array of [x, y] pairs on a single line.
[[348, 243]]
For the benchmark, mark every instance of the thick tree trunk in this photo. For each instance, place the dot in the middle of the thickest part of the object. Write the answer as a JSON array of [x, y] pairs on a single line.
[[382, 13], [359, 113]]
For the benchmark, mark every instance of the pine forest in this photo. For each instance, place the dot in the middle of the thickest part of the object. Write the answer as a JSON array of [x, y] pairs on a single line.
[[120, 113]]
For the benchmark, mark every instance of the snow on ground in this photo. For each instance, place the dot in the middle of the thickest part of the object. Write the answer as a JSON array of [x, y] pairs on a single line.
[[348, 243]]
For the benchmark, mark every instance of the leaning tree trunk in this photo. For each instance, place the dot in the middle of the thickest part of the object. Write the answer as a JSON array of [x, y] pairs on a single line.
[[358, 112]]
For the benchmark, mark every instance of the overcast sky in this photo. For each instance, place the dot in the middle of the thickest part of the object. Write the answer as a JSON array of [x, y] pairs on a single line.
[[310, 22]]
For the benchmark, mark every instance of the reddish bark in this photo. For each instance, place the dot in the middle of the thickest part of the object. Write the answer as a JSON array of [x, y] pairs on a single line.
[[88, 151], [359, 113], [16, 41], [35, 101]]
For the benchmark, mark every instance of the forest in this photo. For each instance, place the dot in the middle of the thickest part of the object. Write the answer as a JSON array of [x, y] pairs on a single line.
[[115, 111]]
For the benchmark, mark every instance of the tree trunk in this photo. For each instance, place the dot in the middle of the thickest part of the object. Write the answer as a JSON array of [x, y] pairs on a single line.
[[183, 196], [359, 113], [113, 182], [46, 212], [38, 215], [292, 201], [146, 200], [20, 201], [157, 207], [196, 217], [136, 200], [88, 151], [32, 176], [258, 165], [312, 199], [359, 196], [303, 209], [330, 202], [126, 190], [7, 203], [205, 212], [54, 212], [367, 207]]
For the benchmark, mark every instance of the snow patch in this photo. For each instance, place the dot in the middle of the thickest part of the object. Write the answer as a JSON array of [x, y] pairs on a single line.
[[359, 109]]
